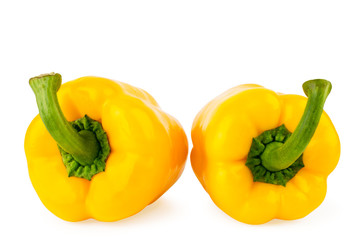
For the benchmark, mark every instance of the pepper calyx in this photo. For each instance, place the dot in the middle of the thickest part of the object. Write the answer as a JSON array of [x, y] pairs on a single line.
[[266, 141], [98, 165]]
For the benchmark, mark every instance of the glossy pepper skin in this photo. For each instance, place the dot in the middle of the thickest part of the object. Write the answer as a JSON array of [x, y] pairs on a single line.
[[222, 133], [148, 153]]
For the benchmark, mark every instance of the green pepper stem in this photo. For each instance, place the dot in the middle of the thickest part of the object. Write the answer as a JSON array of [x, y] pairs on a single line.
[[83, 145], [277, 157]]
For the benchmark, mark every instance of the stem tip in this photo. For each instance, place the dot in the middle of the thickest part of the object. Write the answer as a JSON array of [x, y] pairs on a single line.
[[310, 85], [54, 79]]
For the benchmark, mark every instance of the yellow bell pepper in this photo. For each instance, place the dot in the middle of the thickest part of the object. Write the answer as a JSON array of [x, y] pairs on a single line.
[[123, 155], [251, 165]]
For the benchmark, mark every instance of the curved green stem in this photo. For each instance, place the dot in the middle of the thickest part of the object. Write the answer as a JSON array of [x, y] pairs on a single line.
[[276, 156], [83, 145]]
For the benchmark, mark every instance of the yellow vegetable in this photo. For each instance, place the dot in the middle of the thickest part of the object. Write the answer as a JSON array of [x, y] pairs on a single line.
[[123, 155], [251, 165]]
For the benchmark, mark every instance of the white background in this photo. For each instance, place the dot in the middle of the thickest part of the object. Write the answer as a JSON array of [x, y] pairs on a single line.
[[184, 53]]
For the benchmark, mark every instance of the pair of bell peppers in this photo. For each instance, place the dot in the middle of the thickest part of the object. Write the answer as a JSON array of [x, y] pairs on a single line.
[[105, 150]]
